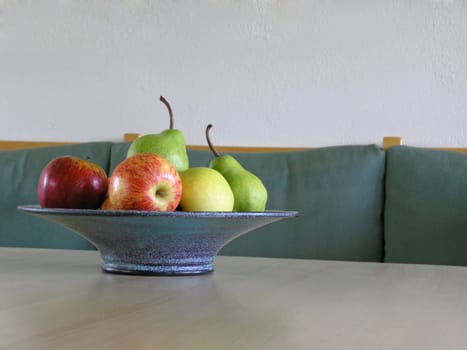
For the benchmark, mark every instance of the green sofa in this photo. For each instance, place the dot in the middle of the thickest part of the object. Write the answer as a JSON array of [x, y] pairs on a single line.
[[356, 202]]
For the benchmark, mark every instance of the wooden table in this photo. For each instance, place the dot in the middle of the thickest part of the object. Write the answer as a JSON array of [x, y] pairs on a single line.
[[58, 299]]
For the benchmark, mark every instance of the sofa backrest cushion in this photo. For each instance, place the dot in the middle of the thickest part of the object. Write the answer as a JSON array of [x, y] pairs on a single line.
[[426, 206], [338, 191], [19, 176]]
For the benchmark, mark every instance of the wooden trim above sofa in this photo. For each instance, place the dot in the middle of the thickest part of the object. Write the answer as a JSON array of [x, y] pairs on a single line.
[[13, 145], [388, 141]]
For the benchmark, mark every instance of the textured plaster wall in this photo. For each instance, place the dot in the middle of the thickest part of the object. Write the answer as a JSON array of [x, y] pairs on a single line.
[[285, 73]]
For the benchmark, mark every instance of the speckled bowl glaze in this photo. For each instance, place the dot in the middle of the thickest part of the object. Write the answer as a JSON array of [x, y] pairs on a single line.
[[157, 243]]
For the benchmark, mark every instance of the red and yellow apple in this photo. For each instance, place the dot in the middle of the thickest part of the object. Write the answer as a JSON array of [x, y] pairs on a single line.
[[144, 181], [72, 183]]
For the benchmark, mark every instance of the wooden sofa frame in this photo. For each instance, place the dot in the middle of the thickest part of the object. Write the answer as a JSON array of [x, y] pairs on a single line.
[[388, 141]]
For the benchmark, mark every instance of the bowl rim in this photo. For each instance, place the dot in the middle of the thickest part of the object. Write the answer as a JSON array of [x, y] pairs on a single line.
[[37, 209]]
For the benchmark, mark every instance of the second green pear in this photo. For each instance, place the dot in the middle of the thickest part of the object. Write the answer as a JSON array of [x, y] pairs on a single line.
[[169, 144], [250, 194]]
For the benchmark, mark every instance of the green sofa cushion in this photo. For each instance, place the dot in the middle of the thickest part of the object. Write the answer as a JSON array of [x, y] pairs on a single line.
[[426, 206], [339, 192], [19, 175], [117, 154]]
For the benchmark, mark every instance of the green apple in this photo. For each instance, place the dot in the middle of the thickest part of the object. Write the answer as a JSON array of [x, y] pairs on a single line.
[[205, 189], [169, 144]]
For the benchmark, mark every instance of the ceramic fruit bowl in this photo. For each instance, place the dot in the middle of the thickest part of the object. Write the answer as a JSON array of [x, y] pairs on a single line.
[[157, 243]]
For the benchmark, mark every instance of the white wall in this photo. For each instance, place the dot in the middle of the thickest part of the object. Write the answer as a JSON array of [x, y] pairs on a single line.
[[265, 73]]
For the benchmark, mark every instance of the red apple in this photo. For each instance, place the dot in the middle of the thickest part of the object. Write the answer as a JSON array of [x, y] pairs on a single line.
[[145, 181], [72, 183]]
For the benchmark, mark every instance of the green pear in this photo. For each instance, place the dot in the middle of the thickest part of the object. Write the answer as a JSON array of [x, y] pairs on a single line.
[[205, 189], [250, 194], [169, 144]]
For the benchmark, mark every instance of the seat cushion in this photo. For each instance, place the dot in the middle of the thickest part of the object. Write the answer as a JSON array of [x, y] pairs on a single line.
[[18, 181], [426, 206]]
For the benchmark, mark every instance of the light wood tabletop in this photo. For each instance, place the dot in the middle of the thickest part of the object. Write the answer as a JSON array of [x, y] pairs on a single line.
[[60, 299]]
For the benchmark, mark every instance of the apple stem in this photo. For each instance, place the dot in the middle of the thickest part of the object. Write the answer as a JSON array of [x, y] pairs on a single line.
[[211, 147], [167, 104]]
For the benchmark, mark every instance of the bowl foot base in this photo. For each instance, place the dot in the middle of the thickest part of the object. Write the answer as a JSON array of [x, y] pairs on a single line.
[[153, 270]]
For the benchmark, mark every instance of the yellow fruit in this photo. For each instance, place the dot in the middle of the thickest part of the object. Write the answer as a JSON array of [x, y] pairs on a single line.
[[205, 189]]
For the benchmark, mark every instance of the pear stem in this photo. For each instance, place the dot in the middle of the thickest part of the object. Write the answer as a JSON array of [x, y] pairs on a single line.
[[167, 104], [211, 147]]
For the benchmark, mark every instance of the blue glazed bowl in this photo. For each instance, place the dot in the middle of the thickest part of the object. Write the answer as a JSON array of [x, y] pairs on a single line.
[[157, 243]]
